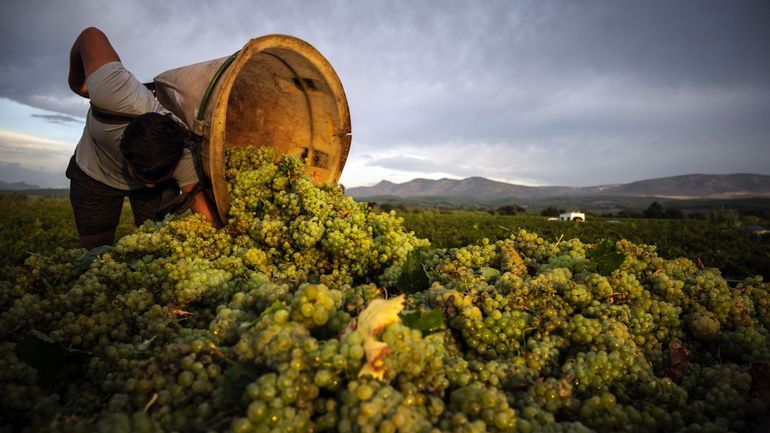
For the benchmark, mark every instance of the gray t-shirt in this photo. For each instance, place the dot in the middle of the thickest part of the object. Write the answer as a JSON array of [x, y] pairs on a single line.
[[113, 88]]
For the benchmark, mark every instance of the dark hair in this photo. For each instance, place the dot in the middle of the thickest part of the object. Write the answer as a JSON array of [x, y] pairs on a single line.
[[153, 144]]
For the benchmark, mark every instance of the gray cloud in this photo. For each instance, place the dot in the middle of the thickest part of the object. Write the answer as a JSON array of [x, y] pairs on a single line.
[[29, 156], [405, 163], [11, 142], [57, 118], [513, 90]]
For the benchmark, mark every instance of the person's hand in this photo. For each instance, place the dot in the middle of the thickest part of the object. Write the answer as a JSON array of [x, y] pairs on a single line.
[[202, 205]]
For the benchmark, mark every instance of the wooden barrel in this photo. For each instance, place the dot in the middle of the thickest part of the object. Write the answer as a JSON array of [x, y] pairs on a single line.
[[276, 91]]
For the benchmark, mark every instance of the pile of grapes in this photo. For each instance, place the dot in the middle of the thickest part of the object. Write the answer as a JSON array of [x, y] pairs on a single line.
[[309, 312]]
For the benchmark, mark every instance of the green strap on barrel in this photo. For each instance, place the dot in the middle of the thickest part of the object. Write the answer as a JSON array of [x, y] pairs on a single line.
[[212, 83], [195, 147], [194, 144]]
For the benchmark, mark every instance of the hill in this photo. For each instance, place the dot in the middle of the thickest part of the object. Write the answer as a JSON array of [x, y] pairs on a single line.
[[699, 186], [16, 186], [692, 186]]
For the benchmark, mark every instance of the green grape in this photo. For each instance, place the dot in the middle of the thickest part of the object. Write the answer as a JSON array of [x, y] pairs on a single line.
[[314, 304], [703, 326], [488, 404]]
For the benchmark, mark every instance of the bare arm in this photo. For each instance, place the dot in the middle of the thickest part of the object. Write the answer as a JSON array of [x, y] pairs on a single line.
[[203, 206], [90, 51]]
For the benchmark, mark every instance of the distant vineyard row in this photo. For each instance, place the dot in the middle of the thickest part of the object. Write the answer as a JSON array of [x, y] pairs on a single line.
[[40, 225], [736, 253], [43, 224]]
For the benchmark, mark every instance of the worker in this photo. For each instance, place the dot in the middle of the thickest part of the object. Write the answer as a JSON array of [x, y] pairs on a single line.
[[131, 147]]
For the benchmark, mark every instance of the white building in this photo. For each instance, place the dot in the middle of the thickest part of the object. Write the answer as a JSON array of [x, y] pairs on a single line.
[[572, 216]]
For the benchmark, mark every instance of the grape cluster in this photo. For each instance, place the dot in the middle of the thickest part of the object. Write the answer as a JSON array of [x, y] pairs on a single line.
[[308, 232], [314, 305], [279, 322]]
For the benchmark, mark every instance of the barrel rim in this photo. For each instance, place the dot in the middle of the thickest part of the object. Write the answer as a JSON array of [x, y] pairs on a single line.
[[219, 112]]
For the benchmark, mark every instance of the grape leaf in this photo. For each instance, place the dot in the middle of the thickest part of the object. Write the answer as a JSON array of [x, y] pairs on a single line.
[[489, 274], [427, 322], [375, 352], [373, 319], [277, 305], [605, 258], [84, 262], [413, 278], [379, 314], [678, 357], [760, 380], [50, 359], [171, 215], [145, 344], [236, 378]]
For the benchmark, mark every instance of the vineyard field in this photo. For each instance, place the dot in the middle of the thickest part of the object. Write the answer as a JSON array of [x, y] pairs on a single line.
[[41, 224], [312, 312], [736, 253]]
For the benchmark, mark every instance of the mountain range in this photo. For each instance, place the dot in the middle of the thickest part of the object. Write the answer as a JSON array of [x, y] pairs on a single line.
[[16, 186], [691, 186]]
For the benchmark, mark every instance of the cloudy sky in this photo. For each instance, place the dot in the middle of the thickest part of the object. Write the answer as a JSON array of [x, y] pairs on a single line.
[[537, 92]]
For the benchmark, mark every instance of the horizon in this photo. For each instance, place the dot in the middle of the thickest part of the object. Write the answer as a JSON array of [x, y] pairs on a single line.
[[563, 186], [530, 93], [4, 183]]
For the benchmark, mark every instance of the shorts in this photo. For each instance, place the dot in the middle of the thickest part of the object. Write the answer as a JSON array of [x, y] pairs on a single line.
[[97, 207]]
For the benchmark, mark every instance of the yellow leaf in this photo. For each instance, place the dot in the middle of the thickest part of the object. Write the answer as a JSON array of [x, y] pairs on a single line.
[[375, 351], [377, 316]]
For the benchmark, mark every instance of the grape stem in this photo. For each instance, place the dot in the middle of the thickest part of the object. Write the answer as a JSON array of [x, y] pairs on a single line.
[[151, 402]]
